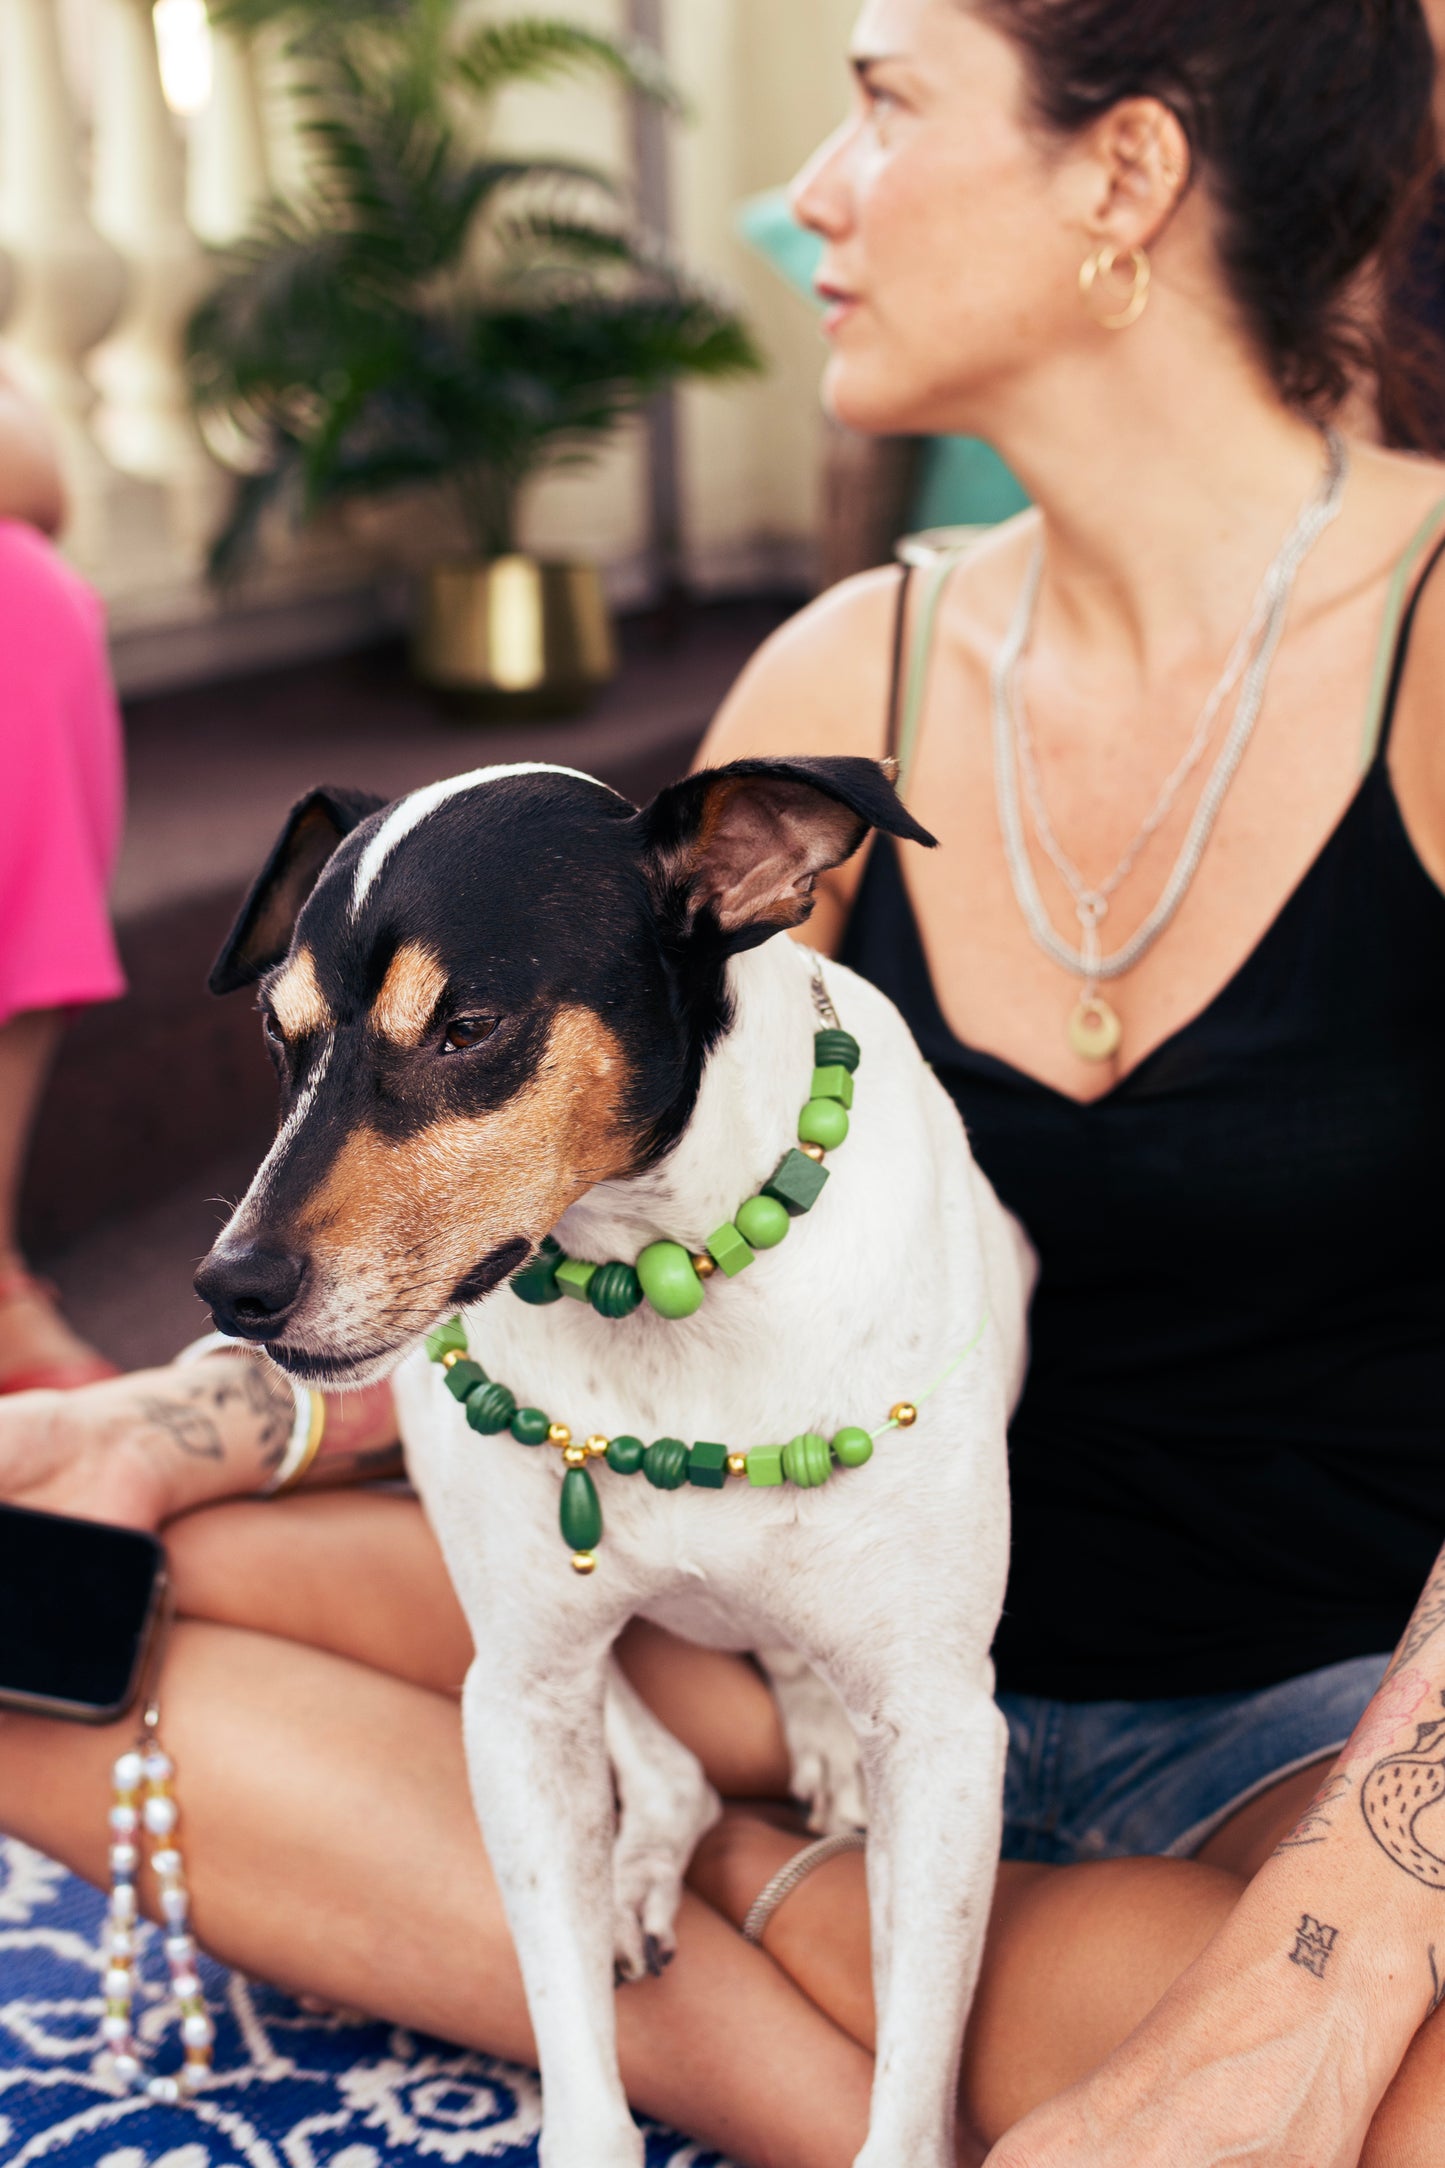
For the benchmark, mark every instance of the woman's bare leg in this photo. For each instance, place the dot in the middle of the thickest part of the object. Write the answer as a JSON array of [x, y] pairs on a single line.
[[32, 1331], [331, 1847]]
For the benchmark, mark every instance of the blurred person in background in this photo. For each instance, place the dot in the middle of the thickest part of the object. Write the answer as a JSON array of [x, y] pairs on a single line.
[[60, 816], [1125, 241]]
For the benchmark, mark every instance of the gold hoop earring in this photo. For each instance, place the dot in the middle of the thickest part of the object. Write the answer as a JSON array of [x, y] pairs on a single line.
[[1098, 266]]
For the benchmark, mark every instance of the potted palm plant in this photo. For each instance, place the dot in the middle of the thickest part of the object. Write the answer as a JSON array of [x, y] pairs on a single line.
[[430, 313]]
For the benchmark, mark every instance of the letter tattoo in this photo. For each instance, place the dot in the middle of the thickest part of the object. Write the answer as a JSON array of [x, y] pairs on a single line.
[[1314, 1945]]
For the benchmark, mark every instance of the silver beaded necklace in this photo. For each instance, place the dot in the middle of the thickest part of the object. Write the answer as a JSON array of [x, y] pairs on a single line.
[[1095, 1031]]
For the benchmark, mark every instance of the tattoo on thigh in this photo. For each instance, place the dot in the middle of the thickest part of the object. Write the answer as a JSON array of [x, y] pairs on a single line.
[[1397, 1792], [1437, 1984], [1314, 1945], [1315, 1824]]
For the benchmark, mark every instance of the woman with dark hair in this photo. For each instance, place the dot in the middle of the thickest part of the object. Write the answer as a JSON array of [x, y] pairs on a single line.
[[1181, 962]]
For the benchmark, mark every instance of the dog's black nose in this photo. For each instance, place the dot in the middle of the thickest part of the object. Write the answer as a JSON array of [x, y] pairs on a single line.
[[251, 1292]]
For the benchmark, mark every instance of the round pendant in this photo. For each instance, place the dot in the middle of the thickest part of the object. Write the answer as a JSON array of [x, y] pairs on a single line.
[[1095, 1032]]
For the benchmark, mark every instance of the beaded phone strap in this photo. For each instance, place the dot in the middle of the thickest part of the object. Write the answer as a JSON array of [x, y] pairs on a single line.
[[144, 1805]]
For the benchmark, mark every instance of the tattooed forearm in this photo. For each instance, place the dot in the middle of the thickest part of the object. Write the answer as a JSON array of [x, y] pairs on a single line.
[[1318, 1819], [1426, 1621], [185, 1425], [267, 1400], [1314, 1945], [1397, 1792], [223, 1410]]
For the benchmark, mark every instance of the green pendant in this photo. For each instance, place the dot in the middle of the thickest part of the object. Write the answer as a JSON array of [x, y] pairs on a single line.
[[581, 1511]]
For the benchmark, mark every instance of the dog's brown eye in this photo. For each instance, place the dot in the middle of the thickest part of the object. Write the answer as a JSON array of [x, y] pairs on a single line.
[[465, 1031], [271, 1028]]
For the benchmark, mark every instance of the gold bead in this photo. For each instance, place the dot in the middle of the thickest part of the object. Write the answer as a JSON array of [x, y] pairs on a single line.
[[451, 1358], [584, 1561], [905, 1415], [574, 1455], [558, 1434], [597, 1446], [813, 1151], [703, 1265], [737, 1464]]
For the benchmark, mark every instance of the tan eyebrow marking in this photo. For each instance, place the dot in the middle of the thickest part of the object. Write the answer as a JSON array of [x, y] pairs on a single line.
[[297, 1001], [414, 984]]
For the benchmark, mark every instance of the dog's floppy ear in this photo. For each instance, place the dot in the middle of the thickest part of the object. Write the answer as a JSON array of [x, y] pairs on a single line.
[[262, 933], [739, 849]]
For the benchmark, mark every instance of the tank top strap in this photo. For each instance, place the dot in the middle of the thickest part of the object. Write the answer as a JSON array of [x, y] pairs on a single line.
[[910, 663], [1401, 601]]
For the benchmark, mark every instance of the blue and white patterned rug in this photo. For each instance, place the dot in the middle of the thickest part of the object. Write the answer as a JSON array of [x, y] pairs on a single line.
[[290, 2090]]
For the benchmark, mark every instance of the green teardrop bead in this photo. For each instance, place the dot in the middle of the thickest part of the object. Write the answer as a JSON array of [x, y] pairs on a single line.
[[615, 1291], [490, 1408], [834, 1049], [581, 1511]]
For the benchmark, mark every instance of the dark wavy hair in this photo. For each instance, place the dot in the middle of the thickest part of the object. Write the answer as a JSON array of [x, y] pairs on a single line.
[[1309, 123]]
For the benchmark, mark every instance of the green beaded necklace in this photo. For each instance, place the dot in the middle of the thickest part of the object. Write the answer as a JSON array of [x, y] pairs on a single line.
[[667, 1463], [672, 1279]]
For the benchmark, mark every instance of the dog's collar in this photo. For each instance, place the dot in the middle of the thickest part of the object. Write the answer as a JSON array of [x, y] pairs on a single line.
[[673, 1279], [667, 1463]]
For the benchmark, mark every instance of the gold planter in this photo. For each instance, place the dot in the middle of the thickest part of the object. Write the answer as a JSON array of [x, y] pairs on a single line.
[[514, 636]]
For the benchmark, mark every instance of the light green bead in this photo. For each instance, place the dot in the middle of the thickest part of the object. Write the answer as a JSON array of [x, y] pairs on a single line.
[[447, 1339], [822, 1121], [833, 1082], [806, 1460], [852, 1447], [669, 1279], [765, 1467], [728, 1250], [762, 1222], [575, 1279]]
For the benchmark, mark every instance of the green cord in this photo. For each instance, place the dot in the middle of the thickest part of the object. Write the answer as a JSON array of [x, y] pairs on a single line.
[[942, 1378]]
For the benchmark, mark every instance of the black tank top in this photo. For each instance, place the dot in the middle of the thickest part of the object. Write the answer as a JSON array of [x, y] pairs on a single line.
[[1228, 1464]]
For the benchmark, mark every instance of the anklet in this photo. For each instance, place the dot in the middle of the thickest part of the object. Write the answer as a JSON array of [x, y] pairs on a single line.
[[145, 1803], [786, 1880], [673, 1279], [667, 1463]]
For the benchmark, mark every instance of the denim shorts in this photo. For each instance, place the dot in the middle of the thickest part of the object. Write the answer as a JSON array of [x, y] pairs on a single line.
[[1110, 1779]]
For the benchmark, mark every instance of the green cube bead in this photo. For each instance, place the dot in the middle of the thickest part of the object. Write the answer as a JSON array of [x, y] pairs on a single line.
[[665, 1463], [728, 1251], [796, 1184], [835, 1048], [581, 1511], [529, 1426], [625, 1455], [447, 1339], [575, 1279], [490, 1408], [765, 1466], [464, 1378], [824, 1122], [537, 1281], [762, 1222], [833, 1082], [852, 1447], [707, 1465], [669, 1279], [807, 1460]]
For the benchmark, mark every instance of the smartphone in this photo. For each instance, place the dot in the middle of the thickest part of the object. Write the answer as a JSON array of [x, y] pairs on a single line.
[[81, 1606]]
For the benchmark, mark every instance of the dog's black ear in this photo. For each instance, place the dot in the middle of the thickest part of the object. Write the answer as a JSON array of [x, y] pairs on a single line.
[[262, 933], [740, 848]]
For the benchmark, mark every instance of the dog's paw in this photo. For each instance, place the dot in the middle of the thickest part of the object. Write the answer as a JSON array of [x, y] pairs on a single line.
[[827, 1771], [649, 1860]]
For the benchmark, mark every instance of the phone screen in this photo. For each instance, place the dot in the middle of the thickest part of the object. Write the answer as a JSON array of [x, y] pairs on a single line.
[[77, 1603]]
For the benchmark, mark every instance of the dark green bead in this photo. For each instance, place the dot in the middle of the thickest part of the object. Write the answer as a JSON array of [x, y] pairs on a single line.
[[464, 1378], [665, 1463], [490, 1408], [537, 1281], [796, 1184], [529, 1426], [625, 1455], [834, 1049], [707, 1465], [615, 1291], [581, 1511], [447, 1339]]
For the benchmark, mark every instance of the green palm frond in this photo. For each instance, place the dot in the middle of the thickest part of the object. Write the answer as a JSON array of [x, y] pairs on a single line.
[[534, 48]]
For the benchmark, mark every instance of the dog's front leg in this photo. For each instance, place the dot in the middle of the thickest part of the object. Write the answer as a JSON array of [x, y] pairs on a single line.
[[934, 1773], [537, 1759]]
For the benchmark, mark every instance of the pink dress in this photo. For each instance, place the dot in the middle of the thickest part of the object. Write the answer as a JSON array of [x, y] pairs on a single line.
[[60, 783]]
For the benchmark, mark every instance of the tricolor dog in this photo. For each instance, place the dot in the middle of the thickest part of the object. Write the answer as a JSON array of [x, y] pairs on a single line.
[[514, 1007]]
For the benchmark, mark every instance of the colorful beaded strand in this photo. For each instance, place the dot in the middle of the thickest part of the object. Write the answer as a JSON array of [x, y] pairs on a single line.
[[147, 1769]]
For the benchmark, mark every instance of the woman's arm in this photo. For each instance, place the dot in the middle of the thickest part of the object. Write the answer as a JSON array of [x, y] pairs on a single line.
[[30, 484], [142, 1449], [1277, 2046]]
